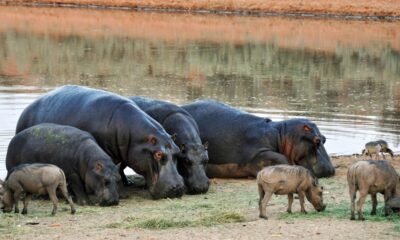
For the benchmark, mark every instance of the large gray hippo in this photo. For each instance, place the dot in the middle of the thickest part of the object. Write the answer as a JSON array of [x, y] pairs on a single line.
[[121, 128], [241, 144], [88, 169], [193, 158]]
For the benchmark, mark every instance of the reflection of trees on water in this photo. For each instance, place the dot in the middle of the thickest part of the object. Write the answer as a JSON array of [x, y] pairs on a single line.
[[349, 80]]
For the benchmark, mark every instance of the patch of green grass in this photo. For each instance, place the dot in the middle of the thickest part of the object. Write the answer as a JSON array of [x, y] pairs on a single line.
[[164, 223]]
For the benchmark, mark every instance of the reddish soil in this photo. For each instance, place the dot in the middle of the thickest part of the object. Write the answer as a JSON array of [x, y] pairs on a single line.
[[318, 7]]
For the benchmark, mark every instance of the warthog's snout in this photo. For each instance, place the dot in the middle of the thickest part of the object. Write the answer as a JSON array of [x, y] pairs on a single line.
[[322, 209]]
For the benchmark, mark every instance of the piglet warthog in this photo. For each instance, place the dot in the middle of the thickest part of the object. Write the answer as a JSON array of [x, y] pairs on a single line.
[[285, 179], [34, 178], [370, 177]]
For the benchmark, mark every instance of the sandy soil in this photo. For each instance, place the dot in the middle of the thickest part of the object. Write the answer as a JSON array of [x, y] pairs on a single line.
[[382, 8], [90, 225]]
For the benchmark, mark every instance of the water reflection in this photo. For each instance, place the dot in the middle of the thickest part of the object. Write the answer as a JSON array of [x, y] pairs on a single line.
[[274, 67]]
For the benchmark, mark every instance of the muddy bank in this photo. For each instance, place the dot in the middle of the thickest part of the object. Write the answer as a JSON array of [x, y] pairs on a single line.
[[389, 9]]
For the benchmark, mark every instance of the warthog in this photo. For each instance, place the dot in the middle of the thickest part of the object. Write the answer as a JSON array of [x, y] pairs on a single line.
[[286, 179], [34, 178], [376, 147], [370, 177]]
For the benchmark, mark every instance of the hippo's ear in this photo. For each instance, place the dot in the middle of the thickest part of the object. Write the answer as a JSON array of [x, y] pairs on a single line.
[[98, 167], [306, 128], [118, 165], [173, 136], [182, 147], [152, 139], [205, 144]]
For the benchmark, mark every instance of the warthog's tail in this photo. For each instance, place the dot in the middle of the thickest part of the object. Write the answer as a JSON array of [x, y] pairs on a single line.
[[352, 181], [260, 187]]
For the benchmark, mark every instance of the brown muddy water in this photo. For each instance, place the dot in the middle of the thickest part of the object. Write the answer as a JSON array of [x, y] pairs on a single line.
[[343, 75]]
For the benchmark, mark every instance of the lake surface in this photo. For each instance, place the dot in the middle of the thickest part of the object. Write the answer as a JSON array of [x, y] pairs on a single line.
[[343, 75]]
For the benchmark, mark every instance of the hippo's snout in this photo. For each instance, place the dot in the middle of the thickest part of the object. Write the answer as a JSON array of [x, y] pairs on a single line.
[[173, 192], [198, 189], [109, 203]]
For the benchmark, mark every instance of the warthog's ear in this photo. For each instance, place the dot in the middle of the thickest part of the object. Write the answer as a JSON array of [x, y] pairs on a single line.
[[205, 145], [307, 128]]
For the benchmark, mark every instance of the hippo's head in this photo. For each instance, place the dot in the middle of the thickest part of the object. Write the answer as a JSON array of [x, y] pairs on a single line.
[[192, 162], [303, 145], [102, 179], [314, 196], [8, 200], [155, 157]]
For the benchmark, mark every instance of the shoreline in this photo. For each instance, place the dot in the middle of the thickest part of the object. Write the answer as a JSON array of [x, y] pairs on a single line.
[[336, 9]]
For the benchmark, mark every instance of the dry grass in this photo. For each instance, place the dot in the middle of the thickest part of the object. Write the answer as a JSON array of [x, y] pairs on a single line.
[[229, 209]]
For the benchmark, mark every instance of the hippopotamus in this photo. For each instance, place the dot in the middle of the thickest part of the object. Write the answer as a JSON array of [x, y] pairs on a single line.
[[193, 158], [88, 169], [36, 178], [126, 133], [241, 144]]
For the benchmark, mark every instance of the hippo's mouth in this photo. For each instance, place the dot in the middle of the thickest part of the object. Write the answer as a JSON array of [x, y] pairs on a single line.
[[171, 193]]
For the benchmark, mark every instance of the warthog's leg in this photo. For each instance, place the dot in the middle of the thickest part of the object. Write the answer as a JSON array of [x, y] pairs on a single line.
[[374, 204], [263, 203], [301, 198], [360, 204], [290, 202], [53, 197], [64, 192], [352, 192], [26, 201]]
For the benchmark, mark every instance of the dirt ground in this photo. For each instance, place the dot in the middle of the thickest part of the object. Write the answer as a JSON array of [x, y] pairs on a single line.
[[109, 222], [372, 8]]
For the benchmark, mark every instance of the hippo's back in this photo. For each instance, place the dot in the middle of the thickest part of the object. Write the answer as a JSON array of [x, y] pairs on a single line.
[[47, 143], [72, 105], [234, 136], [157, 109]]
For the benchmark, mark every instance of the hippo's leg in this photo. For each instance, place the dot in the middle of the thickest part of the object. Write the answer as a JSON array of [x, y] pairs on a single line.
[[26, 201], [374, 204], [263, 204], [78, 189], [264, 159], [53, 197], [301, 199], [17, 193], [360, 204], [64, 192], [290, 202]]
